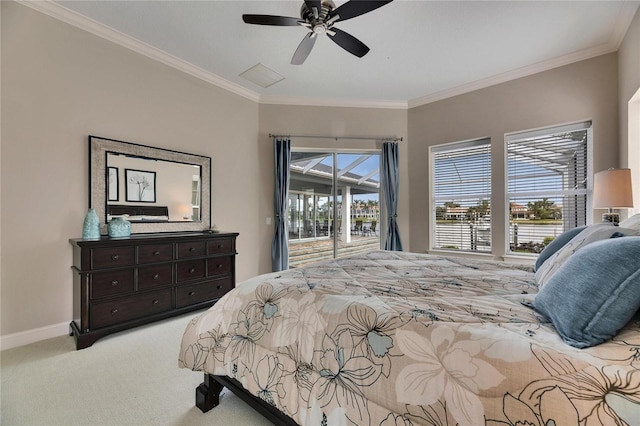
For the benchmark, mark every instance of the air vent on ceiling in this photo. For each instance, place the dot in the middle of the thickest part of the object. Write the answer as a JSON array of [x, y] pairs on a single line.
[[262, 76]]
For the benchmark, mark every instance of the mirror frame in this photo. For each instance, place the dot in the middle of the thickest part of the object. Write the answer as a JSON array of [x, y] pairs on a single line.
[[99, 147]]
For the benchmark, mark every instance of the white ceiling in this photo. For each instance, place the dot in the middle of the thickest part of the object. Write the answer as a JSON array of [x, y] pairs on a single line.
[[421, 51]]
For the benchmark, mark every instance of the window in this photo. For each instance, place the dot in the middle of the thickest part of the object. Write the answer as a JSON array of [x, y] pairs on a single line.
[[461, 196], [547, 184], [195, 197]]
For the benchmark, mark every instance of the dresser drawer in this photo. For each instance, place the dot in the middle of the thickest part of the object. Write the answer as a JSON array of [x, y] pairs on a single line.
[[189, 270], [128, 308], [154, 276], [191, 249], [111, 283], [218, 265], [155, 253], [192, 294], [112, 257], [222, 245]]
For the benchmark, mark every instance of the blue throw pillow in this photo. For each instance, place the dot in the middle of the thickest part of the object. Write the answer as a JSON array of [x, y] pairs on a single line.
[[595, 293], [555, 245]]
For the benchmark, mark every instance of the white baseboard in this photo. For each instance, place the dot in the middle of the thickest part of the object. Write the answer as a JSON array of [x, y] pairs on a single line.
[[34, 335]]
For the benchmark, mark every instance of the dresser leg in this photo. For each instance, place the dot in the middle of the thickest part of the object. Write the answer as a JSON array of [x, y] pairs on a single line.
[[208, 394], [83, 340]]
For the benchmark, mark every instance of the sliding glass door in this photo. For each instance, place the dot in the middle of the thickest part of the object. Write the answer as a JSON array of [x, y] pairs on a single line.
[[334, 205]]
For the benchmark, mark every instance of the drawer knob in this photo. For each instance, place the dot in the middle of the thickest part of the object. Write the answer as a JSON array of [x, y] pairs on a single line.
[[219, 287], [156, 253], [114, 311], [192, 293], [220, 245], [114, 283], [192, 270], [192, 249], [219, 265], [114, 257], [155, 301], [156, 277]]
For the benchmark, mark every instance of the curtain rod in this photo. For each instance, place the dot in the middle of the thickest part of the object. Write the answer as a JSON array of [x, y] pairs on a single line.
[[388, 138]]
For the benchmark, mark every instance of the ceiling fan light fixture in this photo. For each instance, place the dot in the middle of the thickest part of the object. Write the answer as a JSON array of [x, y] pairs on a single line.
[[261, 75], [319, 29]]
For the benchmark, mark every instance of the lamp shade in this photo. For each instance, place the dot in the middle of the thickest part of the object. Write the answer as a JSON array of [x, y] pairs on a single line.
[[612, 189]]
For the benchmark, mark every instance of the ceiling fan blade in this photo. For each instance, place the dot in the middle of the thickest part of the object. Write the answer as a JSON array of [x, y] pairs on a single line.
[[314, 3], [348, 42], [304, 48], [282, 21], [354, 8]]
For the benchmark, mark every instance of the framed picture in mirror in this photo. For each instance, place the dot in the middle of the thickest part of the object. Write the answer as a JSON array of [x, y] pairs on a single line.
[[141, 185]]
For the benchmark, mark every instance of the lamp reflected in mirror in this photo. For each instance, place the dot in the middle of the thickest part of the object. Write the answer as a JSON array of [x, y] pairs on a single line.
[[185, 211], [612, 190]]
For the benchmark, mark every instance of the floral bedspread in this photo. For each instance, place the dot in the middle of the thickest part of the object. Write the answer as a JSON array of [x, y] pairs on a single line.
[[397, 338]]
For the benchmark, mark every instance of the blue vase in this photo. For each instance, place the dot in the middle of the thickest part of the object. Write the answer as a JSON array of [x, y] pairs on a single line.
[[119, 227], [91, 226]]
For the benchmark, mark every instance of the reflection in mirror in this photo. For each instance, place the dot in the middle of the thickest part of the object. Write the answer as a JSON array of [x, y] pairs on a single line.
[[157, 190], [174, 188]]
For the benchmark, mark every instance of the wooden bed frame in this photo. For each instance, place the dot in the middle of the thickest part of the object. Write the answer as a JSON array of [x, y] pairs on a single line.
[[208, 397]]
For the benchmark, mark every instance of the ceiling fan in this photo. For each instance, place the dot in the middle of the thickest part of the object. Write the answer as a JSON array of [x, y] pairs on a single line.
[[319, 16]]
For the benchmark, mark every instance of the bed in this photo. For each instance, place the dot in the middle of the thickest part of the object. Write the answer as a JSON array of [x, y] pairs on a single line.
[[399, 338], [138, 213]]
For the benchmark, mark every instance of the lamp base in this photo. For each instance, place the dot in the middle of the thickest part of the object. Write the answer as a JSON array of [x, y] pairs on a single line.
[[611, 217]]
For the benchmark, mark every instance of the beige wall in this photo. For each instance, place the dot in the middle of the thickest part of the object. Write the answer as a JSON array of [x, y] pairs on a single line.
[[61, 84], [585, 90]]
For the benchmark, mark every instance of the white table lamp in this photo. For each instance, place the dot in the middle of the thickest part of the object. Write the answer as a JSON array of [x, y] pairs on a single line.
[[612, 190]]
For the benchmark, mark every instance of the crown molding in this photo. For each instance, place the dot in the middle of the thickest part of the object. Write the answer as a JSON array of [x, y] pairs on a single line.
[[70, 17], [625, 17], [513, 75], [332, 102]]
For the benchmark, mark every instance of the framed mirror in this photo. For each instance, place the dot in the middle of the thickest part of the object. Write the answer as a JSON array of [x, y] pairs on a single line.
[[156, 189]]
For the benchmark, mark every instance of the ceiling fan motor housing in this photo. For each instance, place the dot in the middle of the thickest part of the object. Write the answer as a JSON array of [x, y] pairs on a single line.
[[318, 19]]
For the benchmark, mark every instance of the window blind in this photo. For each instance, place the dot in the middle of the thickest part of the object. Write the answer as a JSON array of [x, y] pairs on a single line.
[[547, 184], [461, 196]]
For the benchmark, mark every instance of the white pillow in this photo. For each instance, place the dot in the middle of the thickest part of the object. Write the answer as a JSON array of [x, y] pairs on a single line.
[[597, 232], [632, 223]]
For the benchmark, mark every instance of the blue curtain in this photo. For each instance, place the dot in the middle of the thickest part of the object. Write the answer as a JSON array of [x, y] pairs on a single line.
[[279, 246], [389, 182]]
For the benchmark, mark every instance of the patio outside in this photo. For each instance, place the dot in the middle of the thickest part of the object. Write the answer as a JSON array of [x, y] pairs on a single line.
[[303, 252], [332, 192]]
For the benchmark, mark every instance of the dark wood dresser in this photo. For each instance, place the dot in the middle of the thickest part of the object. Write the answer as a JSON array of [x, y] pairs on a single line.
[[120, 283]]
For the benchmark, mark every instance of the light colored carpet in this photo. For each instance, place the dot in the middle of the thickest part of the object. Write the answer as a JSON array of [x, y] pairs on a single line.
[[129, 378]]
